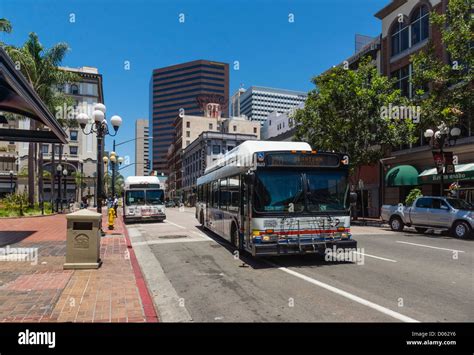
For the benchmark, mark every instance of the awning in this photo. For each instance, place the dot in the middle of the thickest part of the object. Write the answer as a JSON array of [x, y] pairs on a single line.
[[17, 96], [462, 172], [402, 175]]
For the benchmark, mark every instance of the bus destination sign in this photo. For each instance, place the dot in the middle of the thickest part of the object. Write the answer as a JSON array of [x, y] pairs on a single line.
[[322, 160]]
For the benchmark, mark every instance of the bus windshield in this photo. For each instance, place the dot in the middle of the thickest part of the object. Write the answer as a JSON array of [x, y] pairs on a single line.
[[279, 190], [154, 197], [326, 190], [135, 197]]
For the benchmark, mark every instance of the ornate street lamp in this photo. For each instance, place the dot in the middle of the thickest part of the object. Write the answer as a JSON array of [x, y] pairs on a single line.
[[65, 184], [440, 138], [101, 129], [11, 182], [59, 169]]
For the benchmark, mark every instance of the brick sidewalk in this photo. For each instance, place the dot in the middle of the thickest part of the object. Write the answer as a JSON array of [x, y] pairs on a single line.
[[46, 293]]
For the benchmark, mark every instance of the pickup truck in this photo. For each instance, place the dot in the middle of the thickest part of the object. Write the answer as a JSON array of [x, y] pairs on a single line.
[[432, 212]]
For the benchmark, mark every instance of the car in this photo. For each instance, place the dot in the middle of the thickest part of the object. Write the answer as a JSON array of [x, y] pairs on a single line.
[[432, 212], [170, 204]]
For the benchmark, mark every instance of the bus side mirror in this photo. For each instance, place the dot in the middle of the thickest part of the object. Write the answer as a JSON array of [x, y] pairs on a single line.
[[353, 197]]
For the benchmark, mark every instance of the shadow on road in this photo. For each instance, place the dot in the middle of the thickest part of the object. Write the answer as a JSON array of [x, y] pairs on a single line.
[[13, 237], [272, 262]]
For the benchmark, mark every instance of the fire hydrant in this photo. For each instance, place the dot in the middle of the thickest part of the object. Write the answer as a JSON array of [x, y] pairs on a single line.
[[111, 218]]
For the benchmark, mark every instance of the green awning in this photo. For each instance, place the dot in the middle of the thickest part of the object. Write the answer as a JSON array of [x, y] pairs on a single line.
[[402, 175], [462, 172]]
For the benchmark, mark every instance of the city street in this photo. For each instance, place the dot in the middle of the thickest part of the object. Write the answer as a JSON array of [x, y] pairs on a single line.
[[193, 275]]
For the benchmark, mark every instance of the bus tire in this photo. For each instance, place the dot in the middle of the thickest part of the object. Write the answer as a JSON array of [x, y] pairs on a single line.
[[234, 236], [201, 218]]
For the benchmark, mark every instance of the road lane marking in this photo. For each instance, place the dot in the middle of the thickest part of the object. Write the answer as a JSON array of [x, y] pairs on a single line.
[[168, 241], [348, 295], [174, 224], [429, 246], [376, 257]]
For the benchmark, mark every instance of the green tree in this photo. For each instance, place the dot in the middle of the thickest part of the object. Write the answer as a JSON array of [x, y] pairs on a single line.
[[445, 91], [5, 25], [345, 114], [40, 67]]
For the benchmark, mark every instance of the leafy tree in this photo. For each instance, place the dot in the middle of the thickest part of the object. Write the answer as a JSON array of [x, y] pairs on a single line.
[[412, 196], [345, 114], [445, 91], [5, 25]]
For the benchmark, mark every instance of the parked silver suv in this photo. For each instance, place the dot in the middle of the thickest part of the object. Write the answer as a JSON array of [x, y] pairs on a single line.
[[432, 212]]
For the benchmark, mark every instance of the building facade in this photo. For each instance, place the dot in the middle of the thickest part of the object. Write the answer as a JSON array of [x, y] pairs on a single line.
[[183, 89], [142, 148], [204, 150], [188, 129], [280, 124], [258, 102], [406, 29], [79, 156]]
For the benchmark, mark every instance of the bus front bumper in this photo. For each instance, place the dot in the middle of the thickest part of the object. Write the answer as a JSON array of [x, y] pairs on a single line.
[[155, 217], [316, 247]]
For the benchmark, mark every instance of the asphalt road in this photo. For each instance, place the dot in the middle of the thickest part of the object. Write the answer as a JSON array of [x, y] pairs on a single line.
[[398, 277]]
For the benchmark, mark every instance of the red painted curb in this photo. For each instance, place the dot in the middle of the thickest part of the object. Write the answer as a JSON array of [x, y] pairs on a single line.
[[151, 315]]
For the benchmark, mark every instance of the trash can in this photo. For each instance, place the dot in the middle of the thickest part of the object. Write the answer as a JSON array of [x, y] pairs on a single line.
[[83, 240]]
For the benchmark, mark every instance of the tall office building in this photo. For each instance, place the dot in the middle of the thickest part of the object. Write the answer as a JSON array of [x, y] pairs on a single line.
[[257, 102], [142, 150], [189, 87]]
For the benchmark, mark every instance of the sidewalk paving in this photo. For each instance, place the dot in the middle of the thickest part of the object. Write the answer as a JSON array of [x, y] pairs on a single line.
[[46, 293]]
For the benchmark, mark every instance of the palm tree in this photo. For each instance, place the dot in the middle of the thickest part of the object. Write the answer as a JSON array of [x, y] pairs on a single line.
[[5, 25], [40, 68]]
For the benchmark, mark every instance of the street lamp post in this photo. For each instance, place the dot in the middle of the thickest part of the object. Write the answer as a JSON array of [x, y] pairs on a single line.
[[11, 182], [65, 185], [59, 169], [443, 136], [100, 127]]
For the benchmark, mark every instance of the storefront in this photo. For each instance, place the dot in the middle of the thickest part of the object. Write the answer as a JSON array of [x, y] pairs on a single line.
[[459, 184]]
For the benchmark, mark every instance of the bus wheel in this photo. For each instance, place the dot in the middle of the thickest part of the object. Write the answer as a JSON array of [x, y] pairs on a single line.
[[201, 218], [234, 236]]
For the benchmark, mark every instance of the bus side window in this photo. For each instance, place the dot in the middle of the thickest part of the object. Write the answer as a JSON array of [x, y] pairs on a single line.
[[234, 190], [224, 194], [215, 194]]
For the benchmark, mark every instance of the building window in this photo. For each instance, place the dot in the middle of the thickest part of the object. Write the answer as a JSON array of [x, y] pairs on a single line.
[[210, 125], [402, 76], [56, 150], [45, 149], [188, 143], [216, 149], [235, 128], [399, 38], [73, 150], [420, 22], [255, 130], [188, 124], [188, 134], [74, 89], [73, 135]]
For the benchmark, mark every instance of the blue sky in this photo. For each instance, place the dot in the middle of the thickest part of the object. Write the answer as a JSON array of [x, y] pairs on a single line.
[[271, 51]]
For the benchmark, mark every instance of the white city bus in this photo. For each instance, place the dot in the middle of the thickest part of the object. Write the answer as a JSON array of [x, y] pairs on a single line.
[[144, 199], [276, 198]]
